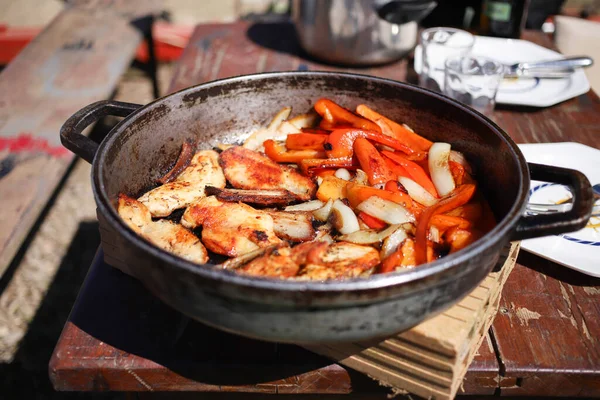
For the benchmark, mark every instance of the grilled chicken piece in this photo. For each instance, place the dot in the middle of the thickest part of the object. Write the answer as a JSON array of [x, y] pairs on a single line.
[[231, 229], [247, 169], [315, 261], [165, 234], [189, 186], [263, 197], [293, 226]]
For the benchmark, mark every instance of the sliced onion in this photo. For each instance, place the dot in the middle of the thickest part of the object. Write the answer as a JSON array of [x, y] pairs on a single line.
[[343, 218], [408, 127], [439, 169], [460, 158], [385, 210], [434, 234], [322, 214], [361, 178], [393, 242], [370, 236], [319, 180], [307, 206], [417, 192], [343, 173]]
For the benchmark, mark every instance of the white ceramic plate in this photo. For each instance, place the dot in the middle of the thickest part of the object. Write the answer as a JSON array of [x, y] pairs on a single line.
[[525, 92], [577, 250]]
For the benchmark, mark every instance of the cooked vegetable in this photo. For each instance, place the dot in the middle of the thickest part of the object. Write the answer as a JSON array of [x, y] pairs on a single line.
[[385, 210], [307, 206], [334, 115], [343, 173], [322, 214], [393, 242], [355, 195], [417, 192], [370, 236], [331, 188], [372, 162], [343, 218], [439, 169], [341, 141]]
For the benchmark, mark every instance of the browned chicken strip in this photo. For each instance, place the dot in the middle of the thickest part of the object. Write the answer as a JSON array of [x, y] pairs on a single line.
[[189, 186], [231, 229], [315, 261], [167, 235], [248, 169], [293, 226]]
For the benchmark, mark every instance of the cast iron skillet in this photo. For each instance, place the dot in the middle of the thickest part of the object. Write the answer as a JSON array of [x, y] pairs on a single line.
[[143, 146]]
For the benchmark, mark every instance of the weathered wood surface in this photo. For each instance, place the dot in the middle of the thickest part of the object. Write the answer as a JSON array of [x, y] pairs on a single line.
[[76, 60], [431, 359], [531, 351]]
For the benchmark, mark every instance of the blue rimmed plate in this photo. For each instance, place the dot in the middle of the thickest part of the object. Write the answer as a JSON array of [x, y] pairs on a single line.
[[577, 250]]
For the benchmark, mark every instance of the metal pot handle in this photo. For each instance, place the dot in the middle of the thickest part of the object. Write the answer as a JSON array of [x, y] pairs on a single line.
[[70, 133], [569, 221]]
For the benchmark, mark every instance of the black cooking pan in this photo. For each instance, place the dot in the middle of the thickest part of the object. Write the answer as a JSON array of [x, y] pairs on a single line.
[[146, 143]]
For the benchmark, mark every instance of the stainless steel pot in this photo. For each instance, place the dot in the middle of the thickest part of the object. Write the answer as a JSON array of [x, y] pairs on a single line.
[[359, 32], [145, 144]]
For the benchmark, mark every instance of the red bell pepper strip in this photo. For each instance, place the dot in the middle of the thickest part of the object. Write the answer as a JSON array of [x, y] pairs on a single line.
[[459, 197], [279, 153], [371, 222], [415, 171], [341, 141], [406, 136], [310, 166], [392, 261], [315, 130], [396, 169], [356, 194], [457, 171], [444, 222], [334, 115], [305, 141], [371, 161]]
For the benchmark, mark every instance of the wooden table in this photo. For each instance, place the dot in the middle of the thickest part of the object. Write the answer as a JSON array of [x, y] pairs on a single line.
[[544, 341]]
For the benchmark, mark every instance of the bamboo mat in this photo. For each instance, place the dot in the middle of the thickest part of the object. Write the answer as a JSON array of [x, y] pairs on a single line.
[[431, 359]]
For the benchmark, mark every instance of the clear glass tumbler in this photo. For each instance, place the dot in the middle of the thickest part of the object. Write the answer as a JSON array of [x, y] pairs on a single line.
[[473, 80], [437, 45]]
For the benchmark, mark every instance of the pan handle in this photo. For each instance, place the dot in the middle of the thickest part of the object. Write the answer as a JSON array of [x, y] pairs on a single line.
[[70, 133], [569, 221]]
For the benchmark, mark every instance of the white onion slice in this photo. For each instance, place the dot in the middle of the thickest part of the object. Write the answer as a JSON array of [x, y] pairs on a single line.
[[385, 210], [434, 234], [322, 214], [361, 178], [392, 243], [439, 168], [343, 173], [307, 206], [344, 219], [370, 236], [417, 192]]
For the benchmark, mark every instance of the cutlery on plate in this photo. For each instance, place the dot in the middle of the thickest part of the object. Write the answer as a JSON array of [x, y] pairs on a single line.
[[537, 208], [559, 68]]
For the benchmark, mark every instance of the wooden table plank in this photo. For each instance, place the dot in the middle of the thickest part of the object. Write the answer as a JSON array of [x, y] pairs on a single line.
[[76, 60]]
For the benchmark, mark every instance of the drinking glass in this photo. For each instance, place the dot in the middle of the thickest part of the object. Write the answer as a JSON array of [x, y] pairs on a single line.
[[473, 80], [437, 45]]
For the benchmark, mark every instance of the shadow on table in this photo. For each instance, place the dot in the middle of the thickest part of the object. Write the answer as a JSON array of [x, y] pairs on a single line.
[[556, 271], [117, 310], [26, 377]]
